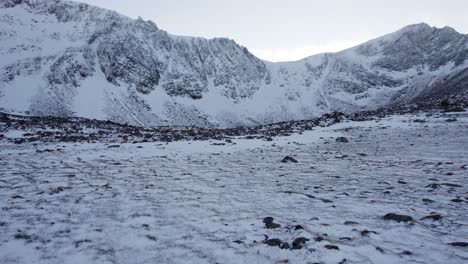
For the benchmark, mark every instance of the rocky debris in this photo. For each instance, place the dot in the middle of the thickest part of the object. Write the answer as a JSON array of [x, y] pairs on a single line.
[[379, 249], [299, 227], [367, 232], [457, 200], [426, 200], [268, 221], [450, 107], [419, 121], [397, 218], [79, 242], [332, 247], [319, 238], [453, 185], [434, 217], [56, 190], [22, 236], [299, 242], [459, 244], [75, 129], [276, 242], [342, 140], [151, 237], [19, 141], [433, 186], [289, 159]]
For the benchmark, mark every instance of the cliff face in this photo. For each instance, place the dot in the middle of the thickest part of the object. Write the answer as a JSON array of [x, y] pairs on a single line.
[[65, 58]]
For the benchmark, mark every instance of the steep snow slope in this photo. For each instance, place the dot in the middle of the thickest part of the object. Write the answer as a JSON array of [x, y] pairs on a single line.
[[66, 58]]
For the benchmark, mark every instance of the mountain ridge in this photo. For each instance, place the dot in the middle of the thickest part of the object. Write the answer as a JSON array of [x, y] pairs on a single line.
[[81, 60]]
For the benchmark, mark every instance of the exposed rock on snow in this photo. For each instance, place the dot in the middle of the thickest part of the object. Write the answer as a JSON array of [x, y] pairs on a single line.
[[68, 199], [398, 217]]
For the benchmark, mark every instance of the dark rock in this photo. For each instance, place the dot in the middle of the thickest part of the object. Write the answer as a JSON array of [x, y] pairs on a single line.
[[114, 146], [22, 236], [289, 159], [398, 218], [451, 185], [56, 190], [318, 238], [268, 221], [434, 217], [433, 186], [332, 247], [350, 223], [379, 249], [428, 200], [151, 237], [342, 140], [457, 200], [19, 140], [406, 252], [451, 120], [299, 242], [402, 182], [459, 244], [79, 242], [367, 232], [275, 242]]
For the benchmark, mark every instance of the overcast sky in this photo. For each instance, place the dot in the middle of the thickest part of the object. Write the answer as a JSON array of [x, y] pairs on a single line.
[[281, 30]]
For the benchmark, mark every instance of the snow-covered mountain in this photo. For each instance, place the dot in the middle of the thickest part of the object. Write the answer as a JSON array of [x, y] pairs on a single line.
[[66, 58]]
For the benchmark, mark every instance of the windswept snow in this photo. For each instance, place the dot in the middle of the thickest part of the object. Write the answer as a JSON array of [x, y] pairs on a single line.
[[198, 202]]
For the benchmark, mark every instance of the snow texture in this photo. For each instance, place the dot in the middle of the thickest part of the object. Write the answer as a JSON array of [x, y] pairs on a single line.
[[203, 202]]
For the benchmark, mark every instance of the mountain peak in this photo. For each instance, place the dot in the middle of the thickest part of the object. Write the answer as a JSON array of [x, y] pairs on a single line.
[[80, 60], [417, 26], [424, 27]]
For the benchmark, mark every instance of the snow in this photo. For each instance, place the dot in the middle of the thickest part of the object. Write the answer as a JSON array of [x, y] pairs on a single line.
[[91, 97], [18, 94], [36, 36], [188, 201]]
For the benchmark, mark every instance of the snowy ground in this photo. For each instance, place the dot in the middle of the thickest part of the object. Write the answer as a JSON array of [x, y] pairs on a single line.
[[196, 202]]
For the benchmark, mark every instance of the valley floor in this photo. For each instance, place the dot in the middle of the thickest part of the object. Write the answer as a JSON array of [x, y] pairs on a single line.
[[203, 202]]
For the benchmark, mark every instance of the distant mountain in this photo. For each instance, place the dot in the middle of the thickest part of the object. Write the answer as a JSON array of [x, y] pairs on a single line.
[[65, 58]]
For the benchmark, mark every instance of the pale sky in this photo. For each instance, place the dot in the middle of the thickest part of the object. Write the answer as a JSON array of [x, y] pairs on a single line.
[[284, 30]]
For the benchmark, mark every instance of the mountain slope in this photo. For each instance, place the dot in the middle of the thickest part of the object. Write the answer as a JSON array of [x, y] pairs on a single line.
[[66, 58]]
